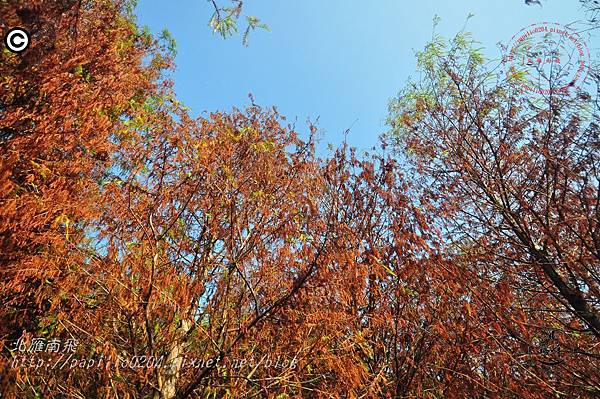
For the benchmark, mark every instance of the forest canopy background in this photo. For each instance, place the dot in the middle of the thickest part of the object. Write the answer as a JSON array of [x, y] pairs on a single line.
[[462, 261]]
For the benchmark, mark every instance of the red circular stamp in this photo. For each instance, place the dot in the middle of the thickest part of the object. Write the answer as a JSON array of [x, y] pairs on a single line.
[[547, 58]]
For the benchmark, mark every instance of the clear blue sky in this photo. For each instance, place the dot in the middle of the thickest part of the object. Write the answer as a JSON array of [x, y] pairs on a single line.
[[341, 60]]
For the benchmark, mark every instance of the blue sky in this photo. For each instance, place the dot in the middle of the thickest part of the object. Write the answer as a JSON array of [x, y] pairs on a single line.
[[339, 60]]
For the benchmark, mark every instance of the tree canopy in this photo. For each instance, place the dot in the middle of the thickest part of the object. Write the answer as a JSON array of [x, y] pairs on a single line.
[[145, 253]]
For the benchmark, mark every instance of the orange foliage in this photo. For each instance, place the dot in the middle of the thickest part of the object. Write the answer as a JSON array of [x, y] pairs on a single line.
[[220, 257]]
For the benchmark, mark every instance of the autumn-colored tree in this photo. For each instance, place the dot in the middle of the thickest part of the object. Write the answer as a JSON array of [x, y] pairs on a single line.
[[60, 101], [222, 209], [513, 178]]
